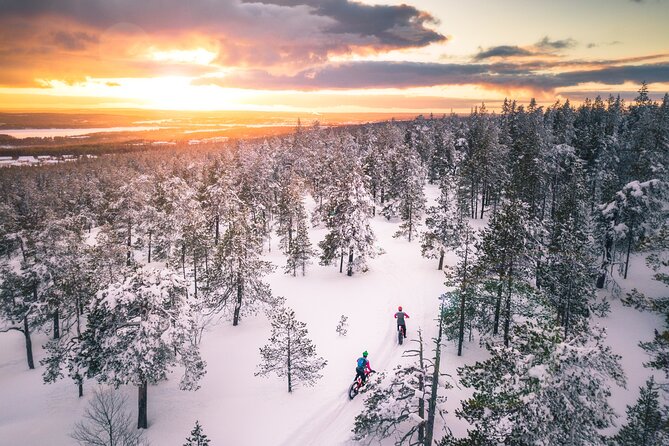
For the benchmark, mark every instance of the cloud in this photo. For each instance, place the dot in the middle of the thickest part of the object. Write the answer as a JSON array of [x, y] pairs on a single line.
[[356, 75], [544, 47], [284, 35], [547, 44], [503, 51], [73, 41]]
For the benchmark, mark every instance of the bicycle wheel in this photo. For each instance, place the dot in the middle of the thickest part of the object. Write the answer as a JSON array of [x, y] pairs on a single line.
[[400, 338], [353, 390]]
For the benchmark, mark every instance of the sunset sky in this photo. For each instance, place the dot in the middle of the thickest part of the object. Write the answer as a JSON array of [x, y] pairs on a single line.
[[326, 55]]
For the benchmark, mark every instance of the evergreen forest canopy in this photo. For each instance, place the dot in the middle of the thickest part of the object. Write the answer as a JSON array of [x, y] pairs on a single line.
[[125, 258]]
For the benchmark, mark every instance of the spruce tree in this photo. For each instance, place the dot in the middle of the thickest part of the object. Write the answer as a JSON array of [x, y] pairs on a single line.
[[346, 215], [137, 330], [197, 437], [543, 389], [342, 326], [299, 248], [445, 225], [290, 352], [647, 421]]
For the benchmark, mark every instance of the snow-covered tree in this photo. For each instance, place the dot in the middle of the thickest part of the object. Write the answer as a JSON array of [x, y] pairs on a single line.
[[197, 437], [633, 213], [238, 270], [404, 404], [647, 421], [342, 326], [445, 224], [506, 263], [543, 389], [138, 329], [460, 306], [20, 309], [567, 273], [346, 215], [410, 201], [299, 247], [290, 352]]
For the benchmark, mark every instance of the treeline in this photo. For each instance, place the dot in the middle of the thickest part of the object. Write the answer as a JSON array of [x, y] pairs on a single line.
[[125, 258]]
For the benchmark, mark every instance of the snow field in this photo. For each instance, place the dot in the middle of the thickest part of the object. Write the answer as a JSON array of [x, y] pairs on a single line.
[[236, 408]]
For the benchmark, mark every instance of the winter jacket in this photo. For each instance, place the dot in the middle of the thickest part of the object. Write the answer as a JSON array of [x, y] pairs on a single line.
[[400, 315]]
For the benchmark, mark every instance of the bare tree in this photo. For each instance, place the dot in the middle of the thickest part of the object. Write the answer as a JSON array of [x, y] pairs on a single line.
[[107, 423]]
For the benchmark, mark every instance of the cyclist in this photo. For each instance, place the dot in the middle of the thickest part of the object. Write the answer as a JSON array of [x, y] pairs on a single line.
[[400, 315], [363, 368]]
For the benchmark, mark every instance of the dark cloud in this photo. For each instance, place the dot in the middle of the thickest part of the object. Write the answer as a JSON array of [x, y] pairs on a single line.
[[254, 34], [548, 44], [544, 47], [401, 25], [411, 74], [503, 51], [73, 41]]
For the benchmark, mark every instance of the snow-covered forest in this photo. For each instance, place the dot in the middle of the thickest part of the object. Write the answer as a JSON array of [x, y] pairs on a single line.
[[530, 248]]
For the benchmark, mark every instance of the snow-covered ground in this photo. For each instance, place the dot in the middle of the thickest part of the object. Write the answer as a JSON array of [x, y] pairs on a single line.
[[237, 408]]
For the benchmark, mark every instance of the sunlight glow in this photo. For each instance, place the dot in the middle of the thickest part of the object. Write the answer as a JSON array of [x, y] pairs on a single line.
[[198, 56]]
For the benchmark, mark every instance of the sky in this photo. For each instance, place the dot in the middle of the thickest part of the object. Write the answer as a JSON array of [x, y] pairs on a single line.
[[326, 55]]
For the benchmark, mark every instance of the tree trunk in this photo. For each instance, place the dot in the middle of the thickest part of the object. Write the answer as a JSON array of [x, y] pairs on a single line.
[[183, 259], [56, 324], [350, 262], [341, 261], [483, 193], [441, 259], [129, 254], [463, 293], [498, 307], [421, 386], [29, 343], [629, 248], [142, 405], [150, 237], [434, 389], [410, 222], [195, 274], [216, 235], [507, 311], [238, 303], [290, 368]]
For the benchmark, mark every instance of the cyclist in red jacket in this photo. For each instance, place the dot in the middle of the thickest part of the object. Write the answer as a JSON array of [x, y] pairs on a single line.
[[400, 315]]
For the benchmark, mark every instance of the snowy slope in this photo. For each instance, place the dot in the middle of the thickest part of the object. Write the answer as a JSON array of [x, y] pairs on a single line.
[[237, 408]]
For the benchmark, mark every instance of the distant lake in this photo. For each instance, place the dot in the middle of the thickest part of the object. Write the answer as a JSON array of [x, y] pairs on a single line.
[[47, 133]]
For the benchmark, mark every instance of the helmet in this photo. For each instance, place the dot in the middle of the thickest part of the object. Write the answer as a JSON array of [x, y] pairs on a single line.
[[399, 308], [365, 353]]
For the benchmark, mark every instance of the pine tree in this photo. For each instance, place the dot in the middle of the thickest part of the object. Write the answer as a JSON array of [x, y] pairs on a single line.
[[633, 214], [647, 422], [19, 308], [567, 273], [506, 262], [137, 330], [342, 326], [542, 389], [197, 437], [299, 248], [658, 348], [410, 202], [236, 279], [290, 352], [461, 304], [346, 215], [445, 226]]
